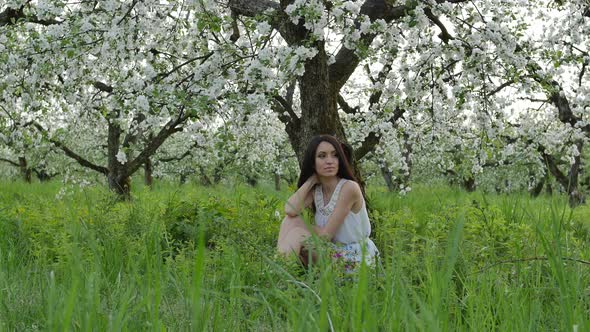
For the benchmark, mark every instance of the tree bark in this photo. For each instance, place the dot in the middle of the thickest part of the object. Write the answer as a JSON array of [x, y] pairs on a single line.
[[218, 173], [183, 177], [121, 185], [42, 174], [569, 182], [388, 177], [251, 180], [148, 174], [319, 109], [407, 155], [204, 179], [118, 179], [321, 83], [557, 96], [25, 171], [536, 190], [469, 184], [277, 178]]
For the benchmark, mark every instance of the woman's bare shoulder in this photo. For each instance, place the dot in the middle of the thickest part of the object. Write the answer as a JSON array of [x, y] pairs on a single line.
[[352, 189]]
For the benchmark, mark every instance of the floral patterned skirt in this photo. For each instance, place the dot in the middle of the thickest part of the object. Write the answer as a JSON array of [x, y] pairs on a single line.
[[351, 254]]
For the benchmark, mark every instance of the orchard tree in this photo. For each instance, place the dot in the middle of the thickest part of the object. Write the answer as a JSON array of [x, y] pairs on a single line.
[[321, 76], [253, 146], [410, 83], [422, 70], [22, 149], [548, 66], [115, 79], [465, 86]]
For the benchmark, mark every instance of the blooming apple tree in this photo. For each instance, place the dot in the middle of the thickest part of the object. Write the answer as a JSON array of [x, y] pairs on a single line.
[[108, 82], [473, 90]]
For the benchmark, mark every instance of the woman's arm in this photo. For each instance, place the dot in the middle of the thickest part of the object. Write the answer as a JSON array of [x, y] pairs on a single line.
[[302, 198], [349, 195]]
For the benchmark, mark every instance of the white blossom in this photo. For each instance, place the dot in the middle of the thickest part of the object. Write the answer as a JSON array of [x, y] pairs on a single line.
[[121, 157]]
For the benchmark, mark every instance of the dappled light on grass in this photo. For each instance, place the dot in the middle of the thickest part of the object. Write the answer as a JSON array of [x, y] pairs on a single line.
[[193, 259]]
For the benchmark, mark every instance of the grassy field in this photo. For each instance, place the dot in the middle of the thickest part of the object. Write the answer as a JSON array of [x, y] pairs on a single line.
[[194, 258]]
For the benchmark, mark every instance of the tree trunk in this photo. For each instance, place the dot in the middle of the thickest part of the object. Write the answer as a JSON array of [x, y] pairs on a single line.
[[277, 177], [121, 185], [205, 181], [319, 108], [585, 182], [25, 171], [388, 177], [251, 180], [182, 178], [469, 184], [549, 189], [576, 197], [407, 155], [119, 181], [42, 175], [320, 84], [148, 174], [536, 191], [218, 173], [569, 182]]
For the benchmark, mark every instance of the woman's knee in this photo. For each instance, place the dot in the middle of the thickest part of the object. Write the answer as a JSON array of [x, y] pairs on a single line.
[[296, 221], [293, 240]]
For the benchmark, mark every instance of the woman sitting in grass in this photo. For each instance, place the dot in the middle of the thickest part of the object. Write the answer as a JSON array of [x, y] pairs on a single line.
[[328, 187]]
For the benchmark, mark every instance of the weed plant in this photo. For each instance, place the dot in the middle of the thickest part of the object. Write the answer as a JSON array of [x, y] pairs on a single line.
[[190, 258]]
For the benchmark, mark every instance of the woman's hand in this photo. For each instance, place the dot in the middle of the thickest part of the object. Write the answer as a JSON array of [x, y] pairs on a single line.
[[302, 198], [313, 180]]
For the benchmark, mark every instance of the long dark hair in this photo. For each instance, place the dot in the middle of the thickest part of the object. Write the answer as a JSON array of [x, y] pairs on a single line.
[[343, 152]]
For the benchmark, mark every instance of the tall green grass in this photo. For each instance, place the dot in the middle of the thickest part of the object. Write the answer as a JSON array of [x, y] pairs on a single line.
[[192, 258]]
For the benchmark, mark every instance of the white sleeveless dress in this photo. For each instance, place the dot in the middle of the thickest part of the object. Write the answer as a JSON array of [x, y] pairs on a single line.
[[352, 239]]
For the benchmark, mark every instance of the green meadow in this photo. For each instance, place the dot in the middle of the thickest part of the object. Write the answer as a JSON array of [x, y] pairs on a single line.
[[191, 258]]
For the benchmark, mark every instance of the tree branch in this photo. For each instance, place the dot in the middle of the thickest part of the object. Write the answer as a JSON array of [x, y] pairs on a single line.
[[82, 161], [204, 58], [581, 75], [103, 87], [376, 95], [345, 107], [286, 107], [553, 168], [179, 158], [134, 130], [128, 11], [290, 92], [292, 124], [444, 35], [234, 25], [182, 156], [499, 88], [556, 96], [11, 16], [372, 139], [347, 60], [534, 99], [368, 145], [152, 146], [13, 163], [252, 8]]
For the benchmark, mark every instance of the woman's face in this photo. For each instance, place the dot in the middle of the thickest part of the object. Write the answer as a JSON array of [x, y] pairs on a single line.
[[326, 160]]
